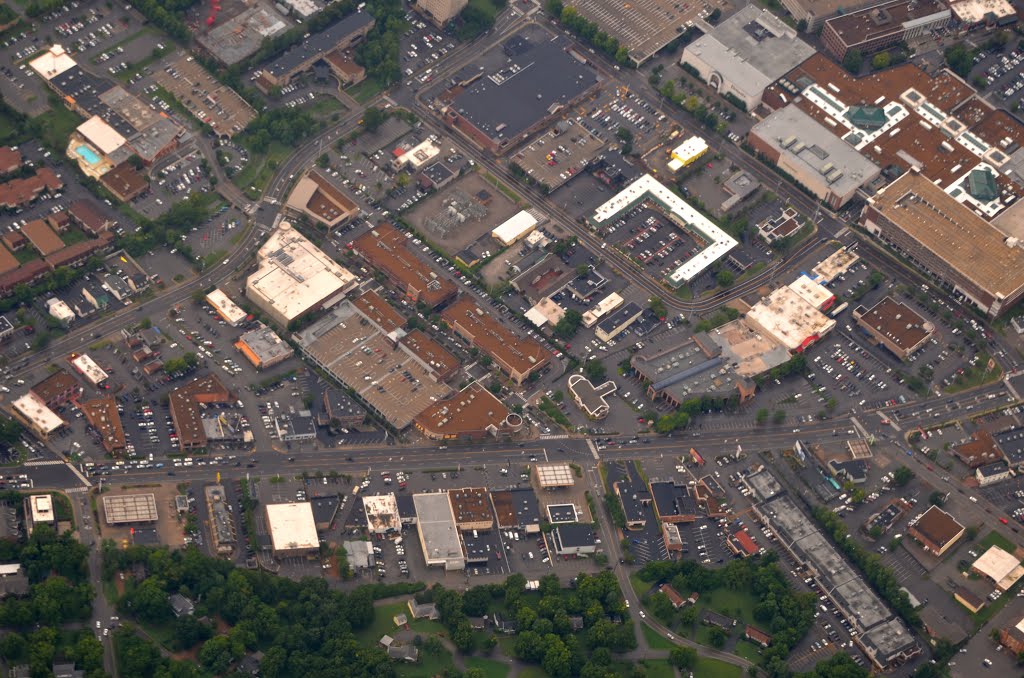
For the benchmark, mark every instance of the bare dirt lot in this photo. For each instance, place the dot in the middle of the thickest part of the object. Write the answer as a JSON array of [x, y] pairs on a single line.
[[437, 217]]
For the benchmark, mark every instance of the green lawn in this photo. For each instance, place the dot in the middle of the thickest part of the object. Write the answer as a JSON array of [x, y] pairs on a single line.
[[9, 130], [713, 668], [993, 538], [748, 650], [655, 639], [426, 626], [57, 125], [533, 672], [324, 106], [639, 585], [728, 602], [382, 622], [703, 634], [364, 91], [507, 645], [255, 176], [492, 668], [427, 667], [658, 668], [73, 236]]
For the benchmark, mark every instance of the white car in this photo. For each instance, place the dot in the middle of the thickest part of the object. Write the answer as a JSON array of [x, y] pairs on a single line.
[[627, 602], [643, 615]]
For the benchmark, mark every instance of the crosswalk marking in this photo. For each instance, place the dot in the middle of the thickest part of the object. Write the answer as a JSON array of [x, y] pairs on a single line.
[[45, 462]]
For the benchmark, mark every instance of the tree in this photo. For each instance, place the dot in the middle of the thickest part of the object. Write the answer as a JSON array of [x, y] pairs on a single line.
[[373, 118], [688, 617], [880, 61], [582, 270], [717, 637], [683, 657], [569, 324], [658, 307], [323, 160], [725, 278], [960, 59], [902, 476], [801, 26], [779, 416], [762, 415], [595, 371], [853, 61], [937, 498]]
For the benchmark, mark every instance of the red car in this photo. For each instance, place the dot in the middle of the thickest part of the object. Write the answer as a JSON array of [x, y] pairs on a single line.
[[1004, 521]]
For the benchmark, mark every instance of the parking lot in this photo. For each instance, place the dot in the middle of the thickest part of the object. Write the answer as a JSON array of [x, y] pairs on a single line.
[[554, 158], [652, 240], [209, 101], [85, 28], [422, 46], [1000, 75]]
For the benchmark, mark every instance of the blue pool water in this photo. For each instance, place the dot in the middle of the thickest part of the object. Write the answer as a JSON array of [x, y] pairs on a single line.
[[87, 154]]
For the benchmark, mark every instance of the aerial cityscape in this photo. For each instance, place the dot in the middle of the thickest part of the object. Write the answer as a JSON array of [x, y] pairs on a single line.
[[490, 339]]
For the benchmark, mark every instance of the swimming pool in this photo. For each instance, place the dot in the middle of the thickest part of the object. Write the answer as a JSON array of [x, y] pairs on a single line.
[[88, 155]]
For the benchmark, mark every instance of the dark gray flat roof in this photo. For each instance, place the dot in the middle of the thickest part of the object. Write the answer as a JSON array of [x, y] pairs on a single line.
[[525, 90], [319, 43]]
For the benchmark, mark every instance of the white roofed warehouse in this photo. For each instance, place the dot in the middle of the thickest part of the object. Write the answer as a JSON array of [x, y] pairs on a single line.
[[295, 277], [292, 529], [88, 368], [228, 310], [518, 226], [439, 535], [36, 416]]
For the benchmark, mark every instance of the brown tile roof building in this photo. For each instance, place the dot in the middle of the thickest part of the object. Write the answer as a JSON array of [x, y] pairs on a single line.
[[25, 274], [757, 635], [125, 182], [8, 262], [875, 28], [378, 310], [980, 450], [384, 247], [519, 357], [15, 240], [471, 414], [432, 354], [87, 214], [74, 255], [18, 192], [42, 237], [102, 415], [936, 530], [57, 389], [673, 596], [472, 508], [895, 326], [10, 160], [59, 221], [315, 196], [186, 413]]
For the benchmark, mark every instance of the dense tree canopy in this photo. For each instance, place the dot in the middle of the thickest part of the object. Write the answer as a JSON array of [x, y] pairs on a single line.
[[785, 614]]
